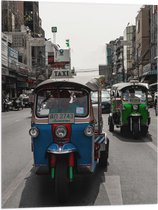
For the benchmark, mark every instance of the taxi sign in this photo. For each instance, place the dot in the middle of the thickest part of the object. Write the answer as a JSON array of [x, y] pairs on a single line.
[[62, 73], [61, 118]]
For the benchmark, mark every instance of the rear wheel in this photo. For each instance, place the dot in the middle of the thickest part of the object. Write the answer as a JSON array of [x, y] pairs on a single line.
[[103, 160], [61, 180], [144, 130], [111, 125]]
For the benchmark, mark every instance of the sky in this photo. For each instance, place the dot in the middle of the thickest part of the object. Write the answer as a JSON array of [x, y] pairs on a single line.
[[89, 26]]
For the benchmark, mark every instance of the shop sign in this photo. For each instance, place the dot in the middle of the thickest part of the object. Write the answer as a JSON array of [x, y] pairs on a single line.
[[50, 59], [12, 64], [4, 54], [13, 53], [37, 42], [60, 65], [23, 69], [62, 55], [13, 58], [22, 84]]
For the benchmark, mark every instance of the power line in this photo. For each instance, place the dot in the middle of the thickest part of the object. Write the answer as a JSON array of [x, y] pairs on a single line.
[[86, 70]]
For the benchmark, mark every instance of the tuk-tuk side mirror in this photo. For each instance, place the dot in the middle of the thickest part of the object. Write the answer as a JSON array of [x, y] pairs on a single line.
[[94, 121], [111, 94]]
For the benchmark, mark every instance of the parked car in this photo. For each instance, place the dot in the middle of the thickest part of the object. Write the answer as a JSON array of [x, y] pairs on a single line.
[[105, 100]]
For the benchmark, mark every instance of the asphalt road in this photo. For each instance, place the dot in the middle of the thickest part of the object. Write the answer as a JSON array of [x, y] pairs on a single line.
[[130, 178]]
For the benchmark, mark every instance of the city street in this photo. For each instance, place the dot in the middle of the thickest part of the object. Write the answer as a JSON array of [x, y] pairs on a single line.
[[130, 178], [64, 64]]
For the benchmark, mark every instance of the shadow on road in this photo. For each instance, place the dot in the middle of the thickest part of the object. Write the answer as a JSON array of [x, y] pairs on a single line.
[[39, 190], [129, 138]]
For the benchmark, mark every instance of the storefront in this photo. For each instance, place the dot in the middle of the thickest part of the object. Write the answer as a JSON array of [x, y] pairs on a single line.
[[149, 74], [22, 77], [149, 77], [10, 86]]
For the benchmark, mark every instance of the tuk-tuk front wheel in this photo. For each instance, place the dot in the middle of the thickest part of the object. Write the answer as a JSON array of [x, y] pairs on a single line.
[[135, 131], [61, 180], [124, 130]]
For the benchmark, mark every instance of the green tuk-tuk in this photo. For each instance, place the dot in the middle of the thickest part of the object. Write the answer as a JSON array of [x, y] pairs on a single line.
[[129, 108]]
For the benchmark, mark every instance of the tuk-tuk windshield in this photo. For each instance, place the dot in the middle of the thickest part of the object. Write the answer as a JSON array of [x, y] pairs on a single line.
[[134, 94], [62, 101]]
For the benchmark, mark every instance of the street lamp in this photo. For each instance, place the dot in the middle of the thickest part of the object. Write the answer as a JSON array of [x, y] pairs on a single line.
[[114, 77]]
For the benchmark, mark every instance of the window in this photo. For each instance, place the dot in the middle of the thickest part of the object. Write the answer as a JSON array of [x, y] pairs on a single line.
[[138, 26]]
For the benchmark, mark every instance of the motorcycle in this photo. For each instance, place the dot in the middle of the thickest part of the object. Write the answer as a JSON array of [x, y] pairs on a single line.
[[7, 104], [17, 104]]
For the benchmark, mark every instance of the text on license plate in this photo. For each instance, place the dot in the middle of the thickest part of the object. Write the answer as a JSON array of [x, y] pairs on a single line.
[[61, 118]]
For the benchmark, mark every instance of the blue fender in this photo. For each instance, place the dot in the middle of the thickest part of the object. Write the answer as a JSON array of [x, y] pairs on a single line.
[[66, 148]]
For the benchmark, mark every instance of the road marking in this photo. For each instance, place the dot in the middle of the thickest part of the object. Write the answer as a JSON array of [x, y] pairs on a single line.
[[113, 189], [152, 146], [15, 183]]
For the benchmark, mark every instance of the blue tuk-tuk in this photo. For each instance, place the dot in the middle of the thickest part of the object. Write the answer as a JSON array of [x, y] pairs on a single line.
[[66, 131]]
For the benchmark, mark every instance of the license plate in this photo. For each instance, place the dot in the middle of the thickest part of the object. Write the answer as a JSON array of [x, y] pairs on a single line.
[[135, 100], [61, 118]]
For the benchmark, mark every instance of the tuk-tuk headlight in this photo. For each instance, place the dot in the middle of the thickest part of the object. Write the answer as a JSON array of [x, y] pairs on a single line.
[[60, 131], [135, 107], [89, 131], [34, 132]]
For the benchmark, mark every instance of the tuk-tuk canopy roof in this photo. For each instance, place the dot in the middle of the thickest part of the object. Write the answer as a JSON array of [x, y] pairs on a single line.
[[153, 85], [122, 85], [77, 82]]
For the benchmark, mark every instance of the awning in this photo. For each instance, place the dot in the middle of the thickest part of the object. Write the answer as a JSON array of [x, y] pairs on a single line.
[[152, 72], [22, 84]]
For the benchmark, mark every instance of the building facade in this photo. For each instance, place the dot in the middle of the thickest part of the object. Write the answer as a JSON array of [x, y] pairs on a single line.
[[142, 39], [20, 46], [115, 59], [136, 55], [12, 15], [128, 44]]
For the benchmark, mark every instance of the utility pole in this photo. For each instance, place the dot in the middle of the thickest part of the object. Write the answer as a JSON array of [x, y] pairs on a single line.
[[137, 64]]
